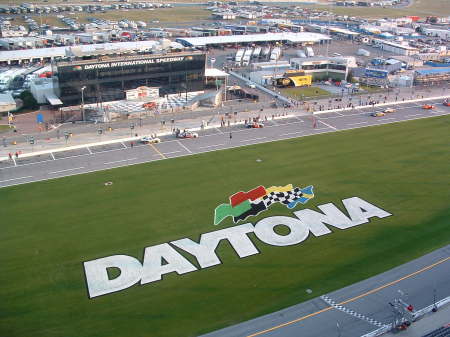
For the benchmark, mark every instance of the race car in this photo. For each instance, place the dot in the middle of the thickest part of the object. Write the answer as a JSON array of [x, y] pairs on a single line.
[[377, 114], [254, 125], [427, 106], [446, 103], [389, 110], [149, 139], [187, 134]]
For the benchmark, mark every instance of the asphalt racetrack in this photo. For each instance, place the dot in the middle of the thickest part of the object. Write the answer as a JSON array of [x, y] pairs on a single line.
[[66, 163]]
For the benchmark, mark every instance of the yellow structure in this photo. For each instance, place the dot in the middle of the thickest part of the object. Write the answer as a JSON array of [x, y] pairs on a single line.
[[301, 81]]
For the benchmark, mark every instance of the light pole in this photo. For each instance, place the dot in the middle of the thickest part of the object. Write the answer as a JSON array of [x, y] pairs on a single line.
[[82, 101]]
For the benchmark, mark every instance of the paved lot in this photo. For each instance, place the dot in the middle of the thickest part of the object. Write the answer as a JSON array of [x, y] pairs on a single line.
[[59, 164]]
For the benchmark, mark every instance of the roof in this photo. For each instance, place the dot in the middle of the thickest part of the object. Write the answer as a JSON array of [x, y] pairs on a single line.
[[433, 71], [287, 36], [85, 49], [214, 72], [52, 98]]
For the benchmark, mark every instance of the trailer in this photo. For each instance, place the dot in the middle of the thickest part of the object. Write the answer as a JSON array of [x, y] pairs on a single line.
[[247, 56], [275, 54], [256, 53], [309, 51], [238, 57], [265, 52]]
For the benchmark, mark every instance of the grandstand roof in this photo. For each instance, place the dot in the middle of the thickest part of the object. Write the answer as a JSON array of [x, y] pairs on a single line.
[[268, 37]]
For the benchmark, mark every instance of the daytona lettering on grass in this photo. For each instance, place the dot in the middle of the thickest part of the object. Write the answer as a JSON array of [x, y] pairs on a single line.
[[153, 268]]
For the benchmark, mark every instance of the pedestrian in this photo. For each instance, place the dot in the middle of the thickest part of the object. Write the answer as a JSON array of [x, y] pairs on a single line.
[[10, 155], [17, 154], [231, 135], [132, 144]]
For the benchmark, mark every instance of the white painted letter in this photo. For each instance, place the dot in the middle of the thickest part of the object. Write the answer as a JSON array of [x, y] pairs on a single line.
[[264, 231], [205, 250], [331, 215], [97, 278], [361, 210], [154, 267]]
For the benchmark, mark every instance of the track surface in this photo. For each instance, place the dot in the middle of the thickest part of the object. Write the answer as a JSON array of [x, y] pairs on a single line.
[[60, 164], [363, 302]]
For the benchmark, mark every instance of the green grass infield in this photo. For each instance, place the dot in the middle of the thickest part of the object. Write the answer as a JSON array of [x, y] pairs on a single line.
[[49, 228]]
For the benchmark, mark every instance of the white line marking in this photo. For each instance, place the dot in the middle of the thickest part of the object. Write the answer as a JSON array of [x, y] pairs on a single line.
[[251, 139], [415, 115], [3, 181], [89, 150], [169, 152], [118, 161], [339, 114], [386, 119], [290, 133], [205, 147], [53, 157], [124, 146], [184, 147], [357, 123], [71, 169], [14, 161], [220, 131], [332, 127]]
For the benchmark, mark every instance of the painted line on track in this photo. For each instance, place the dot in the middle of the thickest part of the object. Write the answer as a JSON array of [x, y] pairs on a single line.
[[4, 181], [351, 299], [156, 149], [326, 124], [14, 161], [89, 150], [184, 147], [290, 133], [172, 152], [415, 115], [252, 139], [215, 145], [357, 123], [118, 161], [52, 155], [66, 170]]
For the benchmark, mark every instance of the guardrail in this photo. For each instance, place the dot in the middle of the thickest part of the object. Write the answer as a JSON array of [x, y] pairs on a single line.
[[417, 315]]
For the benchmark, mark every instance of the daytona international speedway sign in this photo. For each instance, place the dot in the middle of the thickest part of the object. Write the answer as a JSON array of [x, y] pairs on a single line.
[[170, 257]]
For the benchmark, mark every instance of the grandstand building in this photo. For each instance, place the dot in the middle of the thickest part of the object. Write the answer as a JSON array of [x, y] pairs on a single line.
[[108, 78]]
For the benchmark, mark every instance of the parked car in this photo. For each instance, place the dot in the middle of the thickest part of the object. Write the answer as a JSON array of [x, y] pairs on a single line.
[[254, 125], [389, 110], [427, 106], [377, 114], [187, 134], [150, 139]]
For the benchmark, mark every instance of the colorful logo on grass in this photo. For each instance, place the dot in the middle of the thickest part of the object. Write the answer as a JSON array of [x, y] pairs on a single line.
[[251, 203]]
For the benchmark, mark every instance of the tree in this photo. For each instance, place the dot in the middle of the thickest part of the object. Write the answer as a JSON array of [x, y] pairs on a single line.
[[29, 102]]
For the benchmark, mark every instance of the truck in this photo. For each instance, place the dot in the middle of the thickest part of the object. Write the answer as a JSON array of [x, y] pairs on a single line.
[[265, 52], [247, 56], [309, 51], [256, 53], [275, 54], [238, 57]]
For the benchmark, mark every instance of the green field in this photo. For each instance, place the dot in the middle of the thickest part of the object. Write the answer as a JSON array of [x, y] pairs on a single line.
[[422, 8], [49, 228], [4, 128], [301, 93], [173, 16]]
